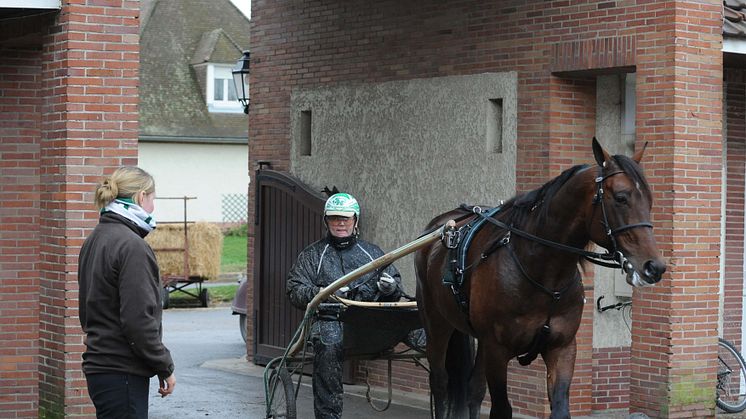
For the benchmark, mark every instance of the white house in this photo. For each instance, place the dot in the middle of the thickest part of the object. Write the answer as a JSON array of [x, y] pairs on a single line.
[[193, 132]]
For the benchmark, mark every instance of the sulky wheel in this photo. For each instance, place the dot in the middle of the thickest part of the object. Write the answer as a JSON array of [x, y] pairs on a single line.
[[281, 395], [204, 297]]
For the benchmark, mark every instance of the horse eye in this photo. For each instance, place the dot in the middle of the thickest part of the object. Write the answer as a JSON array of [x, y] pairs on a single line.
[[620, 198]]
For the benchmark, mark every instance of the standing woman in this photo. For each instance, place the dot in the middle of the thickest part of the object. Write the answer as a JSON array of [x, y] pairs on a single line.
[[120, 306]]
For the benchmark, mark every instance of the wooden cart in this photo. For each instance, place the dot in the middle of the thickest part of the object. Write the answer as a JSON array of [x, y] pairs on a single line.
[[183, 282]]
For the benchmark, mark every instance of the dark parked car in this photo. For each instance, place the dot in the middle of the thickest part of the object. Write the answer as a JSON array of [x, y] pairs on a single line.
[[238, 306]]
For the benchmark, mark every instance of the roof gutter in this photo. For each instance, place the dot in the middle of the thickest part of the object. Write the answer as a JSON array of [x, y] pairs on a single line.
[[734, 45]]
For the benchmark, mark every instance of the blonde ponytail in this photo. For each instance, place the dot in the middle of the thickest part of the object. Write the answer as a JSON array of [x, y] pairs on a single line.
[[125, 182]]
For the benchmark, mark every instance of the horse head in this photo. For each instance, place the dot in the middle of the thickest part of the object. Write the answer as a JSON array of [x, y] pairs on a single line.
[[621, 216]]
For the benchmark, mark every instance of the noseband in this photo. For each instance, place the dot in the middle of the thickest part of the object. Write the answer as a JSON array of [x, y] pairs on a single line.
[[618, 256]]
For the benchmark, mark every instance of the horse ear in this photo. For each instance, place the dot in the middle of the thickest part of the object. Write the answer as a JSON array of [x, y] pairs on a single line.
[[638, 154], [599, 153]]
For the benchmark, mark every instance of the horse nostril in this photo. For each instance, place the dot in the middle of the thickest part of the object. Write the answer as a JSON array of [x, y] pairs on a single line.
[[654, 270]]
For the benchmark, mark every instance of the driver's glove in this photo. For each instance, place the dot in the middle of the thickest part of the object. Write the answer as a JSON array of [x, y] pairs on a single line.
[[386, 284], [342, 292]]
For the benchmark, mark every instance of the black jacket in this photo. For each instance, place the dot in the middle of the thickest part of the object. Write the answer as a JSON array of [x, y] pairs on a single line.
[[120, 302], [320, 264]]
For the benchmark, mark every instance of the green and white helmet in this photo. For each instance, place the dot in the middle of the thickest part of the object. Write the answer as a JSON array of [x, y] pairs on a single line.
[[342, 204]]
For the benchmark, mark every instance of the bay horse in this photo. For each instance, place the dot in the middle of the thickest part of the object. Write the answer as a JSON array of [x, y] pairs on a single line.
[[522, 293]]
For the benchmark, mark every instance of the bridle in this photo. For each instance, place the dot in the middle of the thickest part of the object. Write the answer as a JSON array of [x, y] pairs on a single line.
[[611, 233], [611, 259]]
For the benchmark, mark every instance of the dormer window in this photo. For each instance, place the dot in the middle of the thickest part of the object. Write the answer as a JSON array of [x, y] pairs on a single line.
[[221, 93]]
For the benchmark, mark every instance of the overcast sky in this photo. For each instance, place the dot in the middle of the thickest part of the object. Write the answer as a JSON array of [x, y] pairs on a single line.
[[244, 6]]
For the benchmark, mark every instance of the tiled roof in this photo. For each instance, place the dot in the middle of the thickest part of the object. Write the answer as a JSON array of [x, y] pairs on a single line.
[[734, 18], [178, 37]]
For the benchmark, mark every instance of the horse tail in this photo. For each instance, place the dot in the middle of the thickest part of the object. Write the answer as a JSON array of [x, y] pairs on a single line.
[[459, 365]]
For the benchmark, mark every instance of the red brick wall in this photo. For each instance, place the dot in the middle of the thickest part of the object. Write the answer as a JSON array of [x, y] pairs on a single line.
[[69, 114], [676, 48], [20, 80], [611, 378]]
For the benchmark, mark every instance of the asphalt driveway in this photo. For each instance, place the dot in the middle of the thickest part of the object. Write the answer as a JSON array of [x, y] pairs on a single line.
[[213, 379]]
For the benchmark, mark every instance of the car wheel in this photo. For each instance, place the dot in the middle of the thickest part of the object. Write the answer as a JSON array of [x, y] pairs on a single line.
[[242, 325]]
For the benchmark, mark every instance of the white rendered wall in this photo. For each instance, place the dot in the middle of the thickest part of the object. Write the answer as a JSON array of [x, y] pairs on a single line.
[[205, 171]]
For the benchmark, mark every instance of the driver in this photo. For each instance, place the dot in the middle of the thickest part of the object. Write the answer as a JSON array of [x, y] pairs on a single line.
[[317, 266]]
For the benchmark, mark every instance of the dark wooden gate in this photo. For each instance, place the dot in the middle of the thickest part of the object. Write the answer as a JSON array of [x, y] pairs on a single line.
[[288, 217]]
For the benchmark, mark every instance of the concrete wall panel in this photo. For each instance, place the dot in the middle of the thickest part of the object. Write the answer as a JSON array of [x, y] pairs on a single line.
[[409, 150]]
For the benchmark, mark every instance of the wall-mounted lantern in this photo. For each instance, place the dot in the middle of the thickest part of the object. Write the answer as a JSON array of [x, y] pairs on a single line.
[[241, 80]]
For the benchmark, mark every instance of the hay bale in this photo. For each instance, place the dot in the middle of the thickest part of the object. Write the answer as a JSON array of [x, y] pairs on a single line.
[[205, 249]]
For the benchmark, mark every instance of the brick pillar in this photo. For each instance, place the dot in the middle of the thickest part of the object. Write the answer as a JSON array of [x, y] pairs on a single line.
[[88, 128], [679, 111], [19, 232]]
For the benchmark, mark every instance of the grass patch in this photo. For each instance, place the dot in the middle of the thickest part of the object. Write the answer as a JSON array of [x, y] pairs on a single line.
[[234, 254], [218, 294]]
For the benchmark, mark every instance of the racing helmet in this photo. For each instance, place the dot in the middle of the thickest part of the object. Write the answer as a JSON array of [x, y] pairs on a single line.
[[342, 204]]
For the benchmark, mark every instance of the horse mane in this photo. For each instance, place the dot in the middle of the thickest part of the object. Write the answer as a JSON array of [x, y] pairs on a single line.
[[517, 209]]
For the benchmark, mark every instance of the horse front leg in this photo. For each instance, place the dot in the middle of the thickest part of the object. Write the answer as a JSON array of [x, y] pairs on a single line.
[[496, 367], [560, 364]]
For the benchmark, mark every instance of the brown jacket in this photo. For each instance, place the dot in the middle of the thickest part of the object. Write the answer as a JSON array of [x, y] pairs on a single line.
[[120, 302]]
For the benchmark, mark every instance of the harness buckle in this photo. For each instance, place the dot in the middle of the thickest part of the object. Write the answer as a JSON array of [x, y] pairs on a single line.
[[451, 237], [623, 262]]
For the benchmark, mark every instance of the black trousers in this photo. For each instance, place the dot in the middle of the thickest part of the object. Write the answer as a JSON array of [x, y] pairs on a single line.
[[327, 369], [119, 396]]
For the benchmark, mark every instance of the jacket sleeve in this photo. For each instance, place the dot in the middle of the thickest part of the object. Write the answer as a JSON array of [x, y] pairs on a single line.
[[140, 307], [300, 287]]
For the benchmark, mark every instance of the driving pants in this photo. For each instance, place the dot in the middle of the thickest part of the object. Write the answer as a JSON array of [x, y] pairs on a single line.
[[327, 369]]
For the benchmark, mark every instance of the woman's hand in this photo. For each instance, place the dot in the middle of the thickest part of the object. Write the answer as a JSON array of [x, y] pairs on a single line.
[[167, 385]]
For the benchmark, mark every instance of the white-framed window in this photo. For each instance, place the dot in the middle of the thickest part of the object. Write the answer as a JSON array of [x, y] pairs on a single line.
[[221, 93]]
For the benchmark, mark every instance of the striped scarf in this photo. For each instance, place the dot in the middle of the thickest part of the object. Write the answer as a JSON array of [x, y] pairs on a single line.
[[127, 208]]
